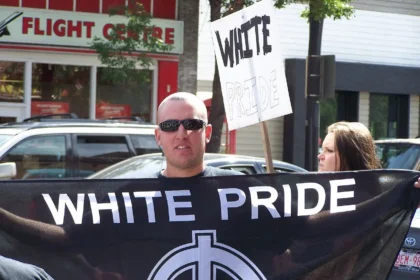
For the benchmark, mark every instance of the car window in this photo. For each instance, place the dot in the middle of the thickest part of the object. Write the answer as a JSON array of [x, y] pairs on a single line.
[[39, 157], [280, 170], [97, 152], [398, 155], [246, 169], [4, 138], [135, 167], [145, 144]]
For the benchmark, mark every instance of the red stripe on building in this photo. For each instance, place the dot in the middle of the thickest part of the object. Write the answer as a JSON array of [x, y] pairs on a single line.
[[167, 79], [82, 51], [91, 6], [164, 9], [13, 3], [41, 4], [108, 5], [146, 4], [63, 5]]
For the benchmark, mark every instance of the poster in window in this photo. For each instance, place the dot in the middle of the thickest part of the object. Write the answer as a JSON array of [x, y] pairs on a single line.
[[48, 108], [112, 110]]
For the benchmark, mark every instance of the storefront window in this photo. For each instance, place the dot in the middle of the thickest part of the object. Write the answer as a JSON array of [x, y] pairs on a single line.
[[59, 89], [378, 116], [11, 81], [388, 116], [344, 107], [328, 115], [130, 98]]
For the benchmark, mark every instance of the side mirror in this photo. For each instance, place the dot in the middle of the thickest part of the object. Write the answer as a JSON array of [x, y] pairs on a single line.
[[7, 170]]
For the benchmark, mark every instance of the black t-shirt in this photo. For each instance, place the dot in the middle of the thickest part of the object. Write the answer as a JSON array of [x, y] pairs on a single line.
[[208, 171], [15, 270]]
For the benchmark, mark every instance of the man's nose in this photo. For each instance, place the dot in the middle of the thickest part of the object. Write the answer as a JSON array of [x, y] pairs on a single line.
[[182, 132]]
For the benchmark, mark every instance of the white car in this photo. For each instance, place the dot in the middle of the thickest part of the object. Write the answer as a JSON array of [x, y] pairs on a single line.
[[72, 148]]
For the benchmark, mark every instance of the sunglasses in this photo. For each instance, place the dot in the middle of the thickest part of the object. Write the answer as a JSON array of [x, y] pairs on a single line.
[[188, 124]]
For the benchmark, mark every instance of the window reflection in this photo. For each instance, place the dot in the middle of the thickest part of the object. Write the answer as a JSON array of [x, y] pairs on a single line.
[[39, 157], [58, 89], [124, 99], [389, 115], [11, 81]]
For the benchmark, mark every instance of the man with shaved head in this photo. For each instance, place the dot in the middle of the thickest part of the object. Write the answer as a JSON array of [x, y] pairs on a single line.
[[182, 134]]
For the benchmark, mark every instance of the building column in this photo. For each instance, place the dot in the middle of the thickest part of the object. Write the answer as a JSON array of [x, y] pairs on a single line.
[[188, 12], [92, 92], [413, 125], [27, 92], [364, 106]]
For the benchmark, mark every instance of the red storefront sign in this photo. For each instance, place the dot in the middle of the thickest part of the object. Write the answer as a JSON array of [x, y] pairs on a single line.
[[59, 28], [112, 110], [46, 108]]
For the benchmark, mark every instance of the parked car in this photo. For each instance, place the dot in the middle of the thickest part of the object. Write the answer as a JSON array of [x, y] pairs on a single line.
[[72, 148], [404, 154], [407, 264], [399, 153], [145, 165]]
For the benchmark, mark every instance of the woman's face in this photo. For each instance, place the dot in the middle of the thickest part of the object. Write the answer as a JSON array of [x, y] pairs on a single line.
[[329, 159]]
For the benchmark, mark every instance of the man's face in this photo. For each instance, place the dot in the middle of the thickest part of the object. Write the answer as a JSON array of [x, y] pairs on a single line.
[[184, 149]]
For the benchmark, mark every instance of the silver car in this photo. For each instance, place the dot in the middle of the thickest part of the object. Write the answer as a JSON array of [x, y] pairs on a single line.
[[145, 165], [399, 153]]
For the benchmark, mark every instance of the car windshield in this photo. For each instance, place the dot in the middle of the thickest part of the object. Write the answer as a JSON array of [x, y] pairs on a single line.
[[4, 138], [398, 155]]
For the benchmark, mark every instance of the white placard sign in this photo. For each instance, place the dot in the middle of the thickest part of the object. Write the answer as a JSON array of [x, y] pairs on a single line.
[[251, 66]]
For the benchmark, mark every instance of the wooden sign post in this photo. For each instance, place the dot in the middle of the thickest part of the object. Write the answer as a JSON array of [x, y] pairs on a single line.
[[267, 147]]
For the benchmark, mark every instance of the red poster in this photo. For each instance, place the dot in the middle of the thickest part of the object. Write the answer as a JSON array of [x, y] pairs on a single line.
[[112, 110], [47, 108]]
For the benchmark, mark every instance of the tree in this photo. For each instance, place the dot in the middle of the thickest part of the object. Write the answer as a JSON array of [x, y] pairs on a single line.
[[128, 43], [218, 9], [315, 12]]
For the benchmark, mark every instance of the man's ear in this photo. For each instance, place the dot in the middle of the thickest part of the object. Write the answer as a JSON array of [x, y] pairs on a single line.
[[209, 129], [157, 136]]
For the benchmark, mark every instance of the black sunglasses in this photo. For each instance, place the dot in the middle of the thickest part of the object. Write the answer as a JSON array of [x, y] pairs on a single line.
[[189, 124]]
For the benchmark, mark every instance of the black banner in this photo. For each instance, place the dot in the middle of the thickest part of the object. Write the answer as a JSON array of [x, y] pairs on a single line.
[[346, 225]]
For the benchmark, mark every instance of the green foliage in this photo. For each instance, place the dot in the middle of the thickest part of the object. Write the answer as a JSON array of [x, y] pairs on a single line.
[[230, 6], [320, 9], [128, 44], [316, 9]]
